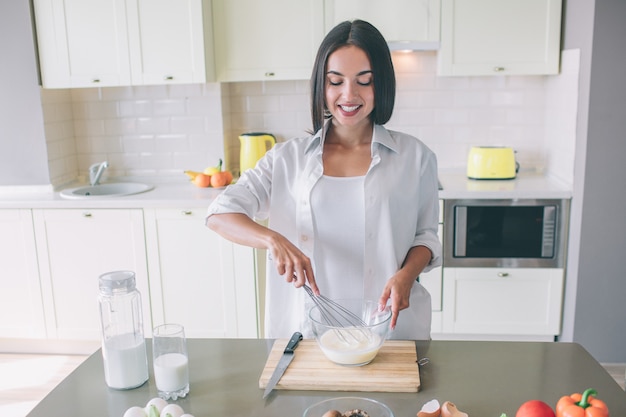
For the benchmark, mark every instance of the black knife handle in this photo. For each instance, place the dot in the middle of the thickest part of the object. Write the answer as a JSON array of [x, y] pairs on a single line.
[[293, 342]]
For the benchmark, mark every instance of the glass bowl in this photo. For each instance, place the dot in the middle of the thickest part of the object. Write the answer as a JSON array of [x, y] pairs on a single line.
[[351, 344], [373, 408]]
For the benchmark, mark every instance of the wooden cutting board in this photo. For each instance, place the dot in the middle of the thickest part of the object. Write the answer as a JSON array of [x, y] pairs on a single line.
[[394, 369]]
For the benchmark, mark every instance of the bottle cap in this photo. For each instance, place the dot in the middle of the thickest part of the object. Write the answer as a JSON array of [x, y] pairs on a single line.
[[117, 282]]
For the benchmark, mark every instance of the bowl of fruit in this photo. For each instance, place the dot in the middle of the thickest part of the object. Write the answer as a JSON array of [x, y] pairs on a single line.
[[214, 176]]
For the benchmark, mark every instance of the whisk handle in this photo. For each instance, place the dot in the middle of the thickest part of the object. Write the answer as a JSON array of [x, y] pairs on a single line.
[[293, 342]]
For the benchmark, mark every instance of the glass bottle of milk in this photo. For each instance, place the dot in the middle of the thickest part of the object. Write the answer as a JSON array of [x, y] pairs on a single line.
[[123, 343]]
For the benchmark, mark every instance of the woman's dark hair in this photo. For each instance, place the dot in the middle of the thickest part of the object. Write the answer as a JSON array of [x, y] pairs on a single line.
[[365, 36]]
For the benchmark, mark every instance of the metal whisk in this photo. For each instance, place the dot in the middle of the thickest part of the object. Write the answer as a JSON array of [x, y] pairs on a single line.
[[335, 315]]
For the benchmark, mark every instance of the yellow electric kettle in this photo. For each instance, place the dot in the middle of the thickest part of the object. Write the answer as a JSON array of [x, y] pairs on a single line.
[[253, 147]]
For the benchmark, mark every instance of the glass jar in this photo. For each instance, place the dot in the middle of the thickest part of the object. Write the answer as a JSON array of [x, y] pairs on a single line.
[[123, 342]]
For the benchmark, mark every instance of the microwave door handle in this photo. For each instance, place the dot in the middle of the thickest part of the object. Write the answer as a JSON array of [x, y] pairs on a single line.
[[549, 232], [460, 231]]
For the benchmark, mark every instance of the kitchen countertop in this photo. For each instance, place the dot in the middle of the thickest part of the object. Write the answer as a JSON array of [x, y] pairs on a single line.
[[176, 193], [167, 193], [484, 379], [527, 185]]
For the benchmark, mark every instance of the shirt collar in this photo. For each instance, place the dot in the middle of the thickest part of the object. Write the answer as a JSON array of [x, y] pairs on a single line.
[[384, 138], [381, 136], [317, 140]]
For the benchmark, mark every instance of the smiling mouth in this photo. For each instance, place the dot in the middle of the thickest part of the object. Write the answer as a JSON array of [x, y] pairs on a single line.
[[349, 109]]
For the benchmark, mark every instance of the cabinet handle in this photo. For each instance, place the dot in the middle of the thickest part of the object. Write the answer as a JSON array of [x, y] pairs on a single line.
[[187, 212], [503, 274], [95, 80], [498, 69], [168, 78], [86, 214], [269, 74]]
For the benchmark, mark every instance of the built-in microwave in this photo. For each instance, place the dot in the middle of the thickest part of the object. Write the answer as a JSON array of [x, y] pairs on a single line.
[[505, 233]]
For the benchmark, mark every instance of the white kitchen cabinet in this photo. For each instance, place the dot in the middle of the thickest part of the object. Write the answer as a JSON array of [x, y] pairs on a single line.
[[168, 40], [82, 43], [269, 40], [76, 246], [507, 37], [405, 24], [100, 43], [21, 311], [197, 278], [502, 301]]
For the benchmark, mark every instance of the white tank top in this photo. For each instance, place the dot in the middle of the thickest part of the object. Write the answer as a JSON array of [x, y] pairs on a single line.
[[338, 210]]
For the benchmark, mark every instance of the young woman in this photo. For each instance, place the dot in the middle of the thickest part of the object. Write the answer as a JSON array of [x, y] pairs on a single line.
[[352, 208]]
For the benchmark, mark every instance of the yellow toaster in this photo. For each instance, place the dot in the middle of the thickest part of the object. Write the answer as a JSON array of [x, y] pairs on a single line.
[[491, 163]]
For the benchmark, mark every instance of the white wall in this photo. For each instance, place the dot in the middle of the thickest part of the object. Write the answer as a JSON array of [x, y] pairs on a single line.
[[23, 158], [599, 317]]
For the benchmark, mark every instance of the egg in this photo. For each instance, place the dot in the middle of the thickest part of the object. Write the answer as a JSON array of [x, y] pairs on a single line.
[[172, 410], [332, 413], [430, 409], [186, 415], [449, 409], [135, 412], [158, 402]]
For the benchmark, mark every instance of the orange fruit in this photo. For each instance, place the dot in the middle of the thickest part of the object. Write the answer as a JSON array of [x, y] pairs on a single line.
[[202, 180], [220, 179]]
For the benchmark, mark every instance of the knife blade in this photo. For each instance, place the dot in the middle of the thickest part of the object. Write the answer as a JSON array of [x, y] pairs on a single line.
[[283, 363]]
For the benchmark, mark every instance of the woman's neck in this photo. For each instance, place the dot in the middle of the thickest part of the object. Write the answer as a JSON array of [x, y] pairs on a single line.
[[347, 150], [350, 136]]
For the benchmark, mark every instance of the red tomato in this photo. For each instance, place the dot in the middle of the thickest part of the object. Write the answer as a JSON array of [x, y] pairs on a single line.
[[535, 408]]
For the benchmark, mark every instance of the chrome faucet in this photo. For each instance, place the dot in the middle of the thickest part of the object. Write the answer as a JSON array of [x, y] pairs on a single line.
[[96, 171]]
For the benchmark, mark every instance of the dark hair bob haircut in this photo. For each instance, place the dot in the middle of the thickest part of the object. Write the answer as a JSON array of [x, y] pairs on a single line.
[[365, 36]]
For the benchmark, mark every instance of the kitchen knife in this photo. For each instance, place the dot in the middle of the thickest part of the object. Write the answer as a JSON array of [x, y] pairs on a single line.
[[283, 363]]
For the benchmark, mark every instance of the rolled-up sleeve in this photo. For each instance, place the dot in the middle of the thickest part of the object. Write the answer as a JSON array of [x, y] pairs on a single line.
[[428, 212], [250, 195]]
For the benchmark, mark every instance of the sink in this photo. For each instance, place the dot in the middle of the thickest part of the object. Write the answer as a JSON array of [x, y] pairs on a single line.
[[113, 189]]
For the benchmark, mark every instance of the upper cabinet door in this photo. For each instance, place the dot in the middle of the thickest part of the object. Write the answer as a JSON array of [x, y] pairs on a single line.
[[167, 41], [102, 43], [486, 37], [82, 43], [268, 40], [402, 22]]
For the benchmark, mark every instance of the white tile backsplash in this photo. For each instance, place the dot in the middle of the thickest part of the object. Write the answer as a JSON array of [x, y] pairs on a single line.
[[146, 130], [162, 130]]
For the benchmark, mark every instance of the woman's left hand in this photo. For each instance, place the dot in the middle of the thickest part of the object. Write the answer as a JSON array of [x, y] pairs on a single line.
[[398, 290], [398, 287]]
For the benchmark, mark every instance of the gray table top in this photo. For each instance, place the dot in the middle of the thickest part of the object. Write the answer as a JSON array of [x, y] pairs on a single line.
[[483, 379]]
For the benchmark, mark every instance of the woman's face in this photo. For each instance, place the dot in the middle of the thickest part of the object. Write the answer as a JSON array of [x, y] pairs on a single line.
[[349, 86]]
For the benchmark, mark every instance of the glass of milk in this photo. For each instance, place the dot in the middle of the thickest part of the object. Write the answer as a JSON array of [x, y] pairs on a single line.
[[171, 363]]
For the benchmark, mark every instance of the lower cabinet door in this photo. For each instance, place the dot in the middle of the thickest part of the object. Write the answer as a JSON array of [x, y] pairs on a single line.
[[197, 278], [76, 246], [21, 312], [502, 301]]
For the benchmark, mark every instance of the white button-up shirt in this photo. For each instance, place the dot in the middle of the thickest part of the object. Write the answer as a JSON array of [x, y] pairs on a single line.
[[401, 211]]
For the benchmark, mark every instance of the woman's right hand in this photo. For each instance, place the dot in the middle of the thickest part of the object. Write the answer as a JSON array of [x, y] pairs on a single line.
[[291, 262]]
